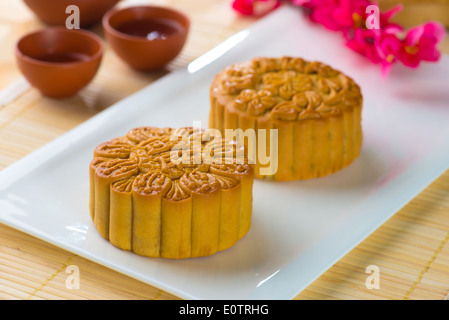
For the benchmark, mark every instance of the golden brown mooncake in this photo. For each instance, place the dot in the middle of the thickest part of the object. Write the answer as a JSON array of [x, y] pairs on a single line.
[[315, 109], [151, 196]]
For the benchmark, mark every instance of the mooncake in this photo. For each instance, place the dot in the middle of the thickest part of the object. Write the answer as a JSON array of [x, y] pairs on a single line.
[[314, 109], [171, 193]]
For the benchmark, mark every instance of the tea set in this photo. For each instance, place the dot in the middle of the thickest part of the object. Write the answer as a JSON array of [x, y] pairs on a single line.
[[60, 60]]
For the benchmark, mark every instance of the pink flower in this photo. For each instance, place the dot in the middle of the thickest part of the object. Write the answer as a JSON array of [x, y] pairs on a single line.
[[363, 41], [300, 2], [384, 44], [388, 47], [420, 44], [338, 15], [323, 13], [255, 7]]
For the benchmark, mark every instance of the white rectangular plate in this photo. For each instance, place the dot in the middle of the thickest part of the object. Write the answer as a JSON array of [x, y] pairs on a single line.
[[299, 228]]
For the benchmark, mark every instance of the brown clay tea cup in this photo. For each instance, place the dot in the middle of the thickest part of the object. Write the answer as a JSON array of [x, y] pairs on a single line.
[[53, 12], [146, 37], [57, 61]]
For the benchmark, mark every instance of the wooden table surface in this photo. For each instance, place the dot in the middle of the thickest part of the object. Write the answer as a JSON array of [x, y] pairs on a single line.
[[411, 249]]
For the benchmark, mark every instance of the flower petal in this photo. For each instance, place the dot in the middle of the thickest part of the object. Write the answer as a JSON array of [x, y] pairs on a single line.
[[255, 7]]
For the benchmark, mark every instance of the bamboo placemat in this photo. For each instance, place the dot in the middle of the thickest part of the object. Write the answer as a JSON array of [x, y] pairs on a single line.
[[418, 11], [410, 250]]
